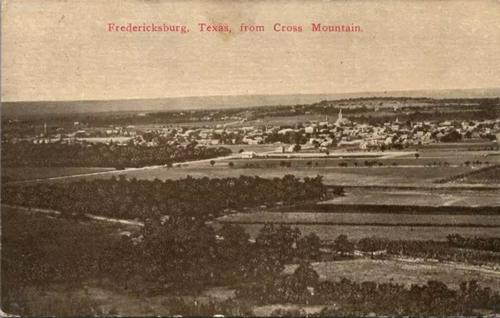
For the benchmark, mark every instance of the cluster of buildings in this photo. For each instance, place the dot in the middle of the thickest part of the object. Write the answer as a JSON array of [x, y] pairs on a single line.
[[321, 135], [345, 133]]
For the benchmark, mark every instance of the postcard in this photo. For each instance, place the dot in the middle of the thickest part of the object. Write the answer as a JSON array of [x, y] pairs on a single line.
[[303, 158]]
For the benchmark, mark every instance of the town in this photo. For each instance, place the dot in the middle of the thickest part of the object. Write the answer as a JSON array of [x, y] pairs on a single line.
[[337, 134]]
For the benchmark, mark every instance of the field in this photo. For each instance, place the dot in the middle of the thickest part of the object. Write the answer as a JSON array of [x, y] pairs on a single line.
[[461, 145], [405, 272], [436, 162], [29, 173], [489, 176], [425, 159], [419, 198], [362, 219], [356, 232], [331, 176]]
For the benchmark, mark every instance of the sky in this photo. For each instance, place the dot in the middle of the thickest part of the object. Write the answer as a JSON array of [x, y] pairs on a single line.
[[62, 50]]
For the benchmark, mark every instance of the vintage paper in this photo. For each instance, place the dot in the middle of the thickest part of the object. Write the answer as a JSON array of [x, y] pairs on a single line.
[[250, 158]]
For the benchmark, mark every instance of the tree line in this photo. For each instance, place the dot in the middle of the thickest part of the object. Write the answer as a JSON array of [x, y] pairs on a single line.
[[352, 299], [473, 250], [142, 199], [27, 154]]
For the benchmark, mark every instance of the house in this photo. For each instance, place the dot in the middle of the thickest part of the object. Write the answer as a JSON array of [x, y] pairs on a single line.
[[309, 130], [247, 154], [285, 131]]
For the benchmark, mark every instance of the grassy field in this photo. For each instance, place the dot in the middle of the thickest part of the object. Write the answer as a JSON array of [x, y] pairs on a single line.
[[462, 145], [405, 272], [29, 173], [360, 218], [425, 159], [419, 198], [487, 176], [356, 232], [332, 176]]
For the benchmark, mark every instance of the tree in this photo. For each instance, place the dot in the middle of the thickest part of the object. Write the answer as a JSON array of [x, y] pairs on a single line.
[[308, 247], [306, 275], [277, 241], [231, 164], [296, 148], [234, 235], [452, 136], [339, 191], [212, 162], [417, 155], [343, 245], [233, 251], [368, 245]]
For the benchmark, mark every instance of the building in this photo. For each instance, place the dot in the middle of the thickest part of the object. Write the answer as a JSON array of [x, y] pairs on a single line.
[[247, 154]]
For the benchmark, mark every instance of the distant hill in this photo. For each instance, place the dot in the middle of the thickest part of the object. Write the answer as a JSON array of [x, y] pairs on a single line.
[[20, 109]]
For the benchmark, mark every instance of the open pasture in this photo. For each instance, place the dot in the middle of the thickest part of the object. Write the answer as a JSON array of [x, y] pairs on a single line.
[[362, 219], [31, 173], [419, 198], [486, 176], [361, 176], [462, 145], [385, 160], [331, 176]]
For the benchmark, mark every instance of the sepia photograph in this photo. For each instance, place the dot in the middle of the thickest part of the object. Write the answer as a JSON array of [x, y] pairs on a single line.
[[302, 158]]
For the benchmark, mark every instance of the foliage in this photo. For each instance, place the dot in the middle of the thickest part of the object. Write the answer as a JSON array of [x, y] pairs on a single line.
[[385, 299], [449, 251], [230, 307], [308, 247], [342, 245], [479, 243], [26, 154], [130, 199]]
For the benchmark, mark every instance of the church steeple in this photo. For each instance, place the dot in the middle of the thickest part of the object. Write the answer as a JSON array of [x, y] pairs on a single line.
[[340, 121]]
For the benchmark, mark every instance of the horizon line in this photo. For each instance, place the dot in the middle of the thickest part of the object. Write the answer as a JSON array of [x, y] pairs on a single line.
[[245, 95]]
